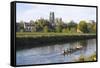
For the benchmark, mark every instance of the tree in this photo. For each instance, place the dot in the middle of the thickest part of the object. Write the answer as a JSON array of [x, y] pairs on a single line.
[[59, 21], [58, 28], [94, 28], [45, 29], [83, 26], [21, 26], [59, 24], [41, 23], [72, 26], [65, 30], [90, 27]]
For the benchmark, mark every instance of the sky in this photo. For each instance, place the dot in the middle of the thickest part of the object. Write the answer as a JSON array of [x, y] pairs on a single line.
[[26, 12]]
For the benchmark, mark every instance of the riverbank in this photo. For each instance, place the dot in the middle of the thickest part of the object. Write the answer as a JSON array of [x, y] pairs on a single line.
[[34, 40], [49, 34], [89, 58]]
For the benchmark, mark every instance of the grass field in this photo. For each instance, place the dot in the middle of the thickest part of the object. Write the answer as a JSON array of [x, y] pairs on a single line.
[[41, 34]]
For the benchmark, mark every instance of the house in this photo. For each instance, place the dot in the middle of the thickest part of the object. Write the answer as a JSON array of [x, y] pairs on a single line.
[[29, 27]]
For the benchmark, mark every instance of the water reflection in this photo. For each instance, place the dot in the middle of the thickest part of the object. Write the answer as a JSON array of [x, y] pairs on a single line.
[[54, 53]]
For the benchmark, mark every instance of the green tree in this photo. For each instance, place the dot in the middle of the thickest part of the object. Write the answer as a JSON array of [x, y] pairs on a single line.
[[94, 28], [59, 21], [65, 30], [90, 27], [58, 28], [83, 26], [45, 29], [21, 26], [40, 23], [72, 26], [59, 24]]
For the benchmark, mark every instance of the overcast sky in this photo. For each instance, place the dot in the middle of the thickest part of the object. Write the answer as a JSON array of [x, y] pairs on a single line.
[[26, 12]]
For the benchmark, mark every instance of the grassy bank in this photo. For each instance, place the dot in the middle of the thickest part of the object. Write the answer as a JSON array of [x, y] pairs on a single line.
[[42, 34], [88, 58], [28, 40]]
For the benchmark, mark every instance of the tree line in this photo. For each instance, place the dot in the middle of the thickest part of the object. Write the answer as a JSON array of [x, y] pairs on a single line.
[[43, 25]]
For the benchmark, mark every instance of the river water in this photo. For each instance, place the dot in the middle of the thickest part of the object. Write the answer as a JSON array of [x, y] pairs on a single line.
[[54, 53]]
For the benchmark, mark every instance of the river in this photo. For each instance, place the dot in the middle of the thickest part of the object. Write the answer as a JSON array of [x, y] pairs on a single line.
[[54, 53]]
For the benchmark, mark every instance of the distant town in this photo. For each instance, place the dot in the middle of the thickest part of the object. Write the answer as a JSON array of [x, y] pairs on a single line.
[[56, 25]]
